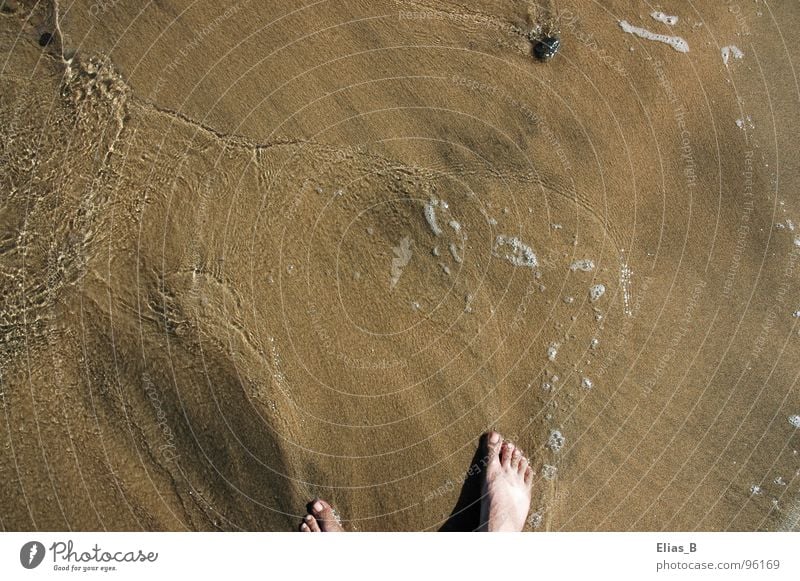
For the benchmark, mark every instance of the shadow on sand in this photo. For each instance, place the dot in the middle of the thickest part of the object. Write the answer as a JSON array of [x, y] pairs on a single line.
[[466, 514]]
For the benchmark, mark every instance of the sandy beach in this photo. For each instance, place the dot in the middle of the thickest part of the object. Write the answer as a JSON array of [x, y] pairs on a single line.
[[255, 252]]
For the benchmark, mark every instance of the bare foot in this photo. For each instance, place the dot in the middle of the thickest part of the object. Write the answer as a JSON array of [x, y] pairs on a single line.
[[506, 496], [320, 519]]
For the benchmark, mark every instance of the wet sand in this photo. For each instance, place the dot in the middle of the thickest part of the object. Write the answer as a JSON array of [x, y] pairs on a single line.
[[254, 253]]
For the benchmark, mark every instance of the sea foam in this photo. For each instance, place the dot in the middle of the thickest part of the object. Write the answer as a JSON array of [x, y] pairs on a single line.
[[515, 251], [676, 42], [665, 18]]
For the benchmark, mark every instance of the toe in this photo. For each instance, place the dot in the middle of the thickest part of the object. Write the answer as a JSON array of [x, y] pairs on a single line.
[[506, 452], [304, 528], [515, 458], [523, 465], [312, 524], [325, 516], [528, 475], [494, 443], [320, 508]]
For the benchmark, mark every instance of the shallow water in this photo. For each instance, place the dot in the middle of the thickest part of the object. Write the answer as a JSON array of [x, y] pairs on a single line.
[[232, 280]]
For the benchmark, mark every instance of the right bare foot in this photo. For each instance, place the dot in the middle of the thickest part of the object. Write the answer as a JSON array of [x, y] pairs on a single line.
[[320, 519], [506, 496]]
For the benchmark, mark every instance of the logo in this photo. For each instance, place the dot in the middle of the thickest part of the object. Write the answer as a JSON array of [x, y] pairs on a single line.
[[31, 554]]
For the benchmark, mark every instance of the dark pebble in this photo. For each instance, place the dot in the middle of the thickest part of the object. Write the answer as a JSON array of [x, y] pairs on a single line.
[[45, 39], [546, 48]]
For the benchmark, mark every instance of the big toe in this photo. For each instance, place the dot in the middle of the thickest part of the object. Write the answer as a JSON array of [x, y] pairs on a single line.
[[323, 512], [494, 442]]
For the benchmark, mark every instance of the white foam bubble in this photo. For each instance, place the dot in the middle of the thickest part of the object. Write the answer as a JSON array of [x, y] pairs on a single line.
[[676, 42], [430, 217], [402, 256], [665, 18], [454, 253], [584, 265], [552, 351], [795, 421], [586, 383], [556, 441], [625, 275], [468, 303], [731, 51], [515, 251], [596, 292]]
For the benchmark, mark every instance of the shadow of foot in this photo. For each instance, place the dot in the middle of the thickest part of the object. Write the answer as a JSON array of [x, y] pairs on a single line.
[[466, 515]]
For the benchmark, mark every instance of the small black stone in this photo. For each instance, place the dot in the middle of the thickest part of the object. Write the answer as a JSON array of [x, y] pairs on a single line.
[[45, 39], [546, 48]]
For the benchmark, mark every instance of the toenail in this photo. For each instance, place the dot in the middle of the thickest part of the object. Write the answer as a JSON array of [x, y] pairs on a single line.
[[494, 438], [309, 517], [318, 506]]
